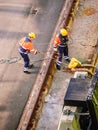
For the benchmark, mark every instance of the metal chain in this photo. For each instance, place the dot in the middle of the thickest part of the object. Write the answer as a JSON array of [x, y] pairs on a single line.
[[10, 60]]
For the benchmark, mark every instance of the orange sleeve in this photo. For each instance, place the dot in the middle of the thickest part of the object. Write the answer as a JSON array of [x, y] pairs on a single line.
[[56, 41], [31, 48]]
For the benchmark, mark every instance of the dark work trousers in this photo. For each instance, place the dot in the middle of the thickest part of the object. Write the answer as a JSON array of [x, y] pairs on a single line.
[[63, 50], [26, 59]]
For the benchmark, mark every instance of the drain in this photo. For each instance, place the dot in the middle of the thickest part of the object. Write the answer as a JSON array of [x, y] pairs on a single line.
[[33, 11], [30, 10]]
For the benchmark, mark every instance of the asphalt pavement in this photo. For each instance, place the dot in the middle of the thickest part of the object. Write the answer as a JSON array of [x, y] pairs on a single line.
[[17, 19]]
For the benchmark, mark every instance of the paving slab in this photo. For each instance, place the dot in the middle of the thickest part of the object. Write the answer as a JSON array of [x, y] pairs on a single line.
[[17, 19]]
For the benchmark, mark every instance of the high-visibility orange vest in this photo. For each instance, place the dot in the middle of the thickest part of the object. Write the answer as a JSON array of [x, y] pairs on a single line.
[[60, 40], [26, 44]]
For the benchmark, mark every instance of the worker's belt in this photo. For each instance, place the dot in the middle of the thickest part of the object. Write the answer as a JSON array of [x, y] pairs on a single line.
[[22, 50], [62, 45]]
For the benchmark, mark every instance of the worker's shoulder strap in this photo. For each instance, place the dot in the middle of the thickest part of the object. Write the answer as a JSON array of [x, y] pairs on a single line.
[[27, 39], [63, 38]]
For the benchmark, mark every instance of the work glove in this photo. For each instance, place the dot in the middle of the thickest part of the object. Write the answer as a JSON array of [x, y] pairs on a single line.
[[55, 49], [37, 51]]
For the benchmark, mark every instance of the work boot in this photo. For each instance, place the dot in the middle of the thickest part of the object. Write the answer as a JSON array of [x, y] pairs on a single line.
[[31, 66], [58, 67], [67, 60], [27, 72]]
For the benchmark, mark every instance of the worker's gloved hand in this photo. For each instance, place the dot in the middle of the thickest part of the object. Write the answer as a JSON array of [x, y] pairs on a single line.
[[37, 51], [55, 49]]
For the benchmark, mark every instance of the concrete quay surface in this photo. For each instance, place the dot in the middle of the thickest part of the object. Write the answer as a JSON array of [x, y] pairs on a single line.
[[84, 35], [17, 19]]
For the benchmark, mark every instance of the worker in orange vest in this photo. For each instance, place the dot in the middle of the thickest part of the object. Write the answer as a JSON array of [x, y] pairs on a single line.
[[60, 45], [25, 47]]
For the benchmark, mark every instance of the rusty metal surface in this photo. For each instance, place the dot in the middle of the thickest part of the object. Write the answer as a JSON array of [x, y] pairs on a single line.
[[66, 12]]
